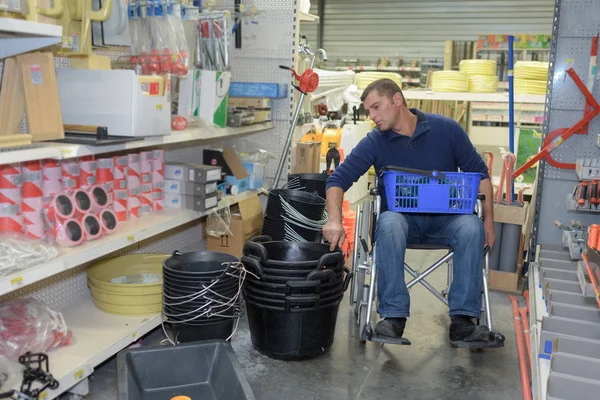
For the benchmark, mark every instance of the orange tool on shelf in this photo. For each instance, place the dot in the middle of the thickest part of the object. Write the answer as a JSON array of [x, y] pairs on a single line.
[[593, 279], [505, 179], [520, 196], [490, 161], [583, 193], [593, 236], [594, 192], [557, 137]]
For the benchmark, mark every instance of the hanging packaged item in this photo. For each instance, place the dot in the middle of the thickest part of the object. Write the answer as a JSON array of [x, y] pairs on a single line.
[[158, 43]]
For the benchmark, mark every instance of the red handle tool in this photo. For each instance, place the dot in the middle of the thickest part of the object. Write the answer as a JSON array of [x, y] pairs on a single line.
[[557, 137], [583, 193], [594, 192]]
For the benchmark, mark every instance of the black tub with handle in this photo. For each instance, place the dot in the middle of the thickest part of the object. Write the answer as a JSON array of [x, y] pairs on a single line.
[[293, 317], [201, 295]]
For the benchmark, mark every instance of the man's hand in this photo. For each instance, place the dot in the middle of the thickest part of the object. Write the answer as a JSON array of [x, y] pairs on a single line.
[[334, 233], [490, 234]]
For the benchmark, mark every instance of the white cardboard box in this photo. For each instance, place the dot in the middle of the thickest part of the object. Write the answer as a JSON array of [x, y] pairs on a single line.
[[112, 98]]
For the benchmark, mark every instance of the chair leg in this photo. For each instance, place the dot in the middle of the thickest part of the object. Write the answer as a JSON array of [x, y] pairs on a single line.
[[486, 292]]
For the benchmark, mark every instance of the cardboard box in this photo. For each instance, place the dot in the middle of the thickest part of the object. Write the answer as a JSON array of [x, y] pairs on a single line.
[[307, 158], [192, 172], [214, 92], [256, 174], [189, 94], [231, 164], [509, 281], [241, 102], [189, 188], [246, 222], [262, 116], [182, 201]]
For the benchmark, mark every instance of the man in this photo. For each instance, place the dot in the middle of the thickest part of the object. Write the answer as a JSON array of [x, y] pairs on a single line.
[[409, 138]]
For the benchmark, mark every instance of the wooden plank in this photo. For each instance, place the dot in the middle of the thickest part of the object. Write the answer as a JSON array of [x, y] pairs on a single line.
[[12, 98], [41, 96], [20, 139]]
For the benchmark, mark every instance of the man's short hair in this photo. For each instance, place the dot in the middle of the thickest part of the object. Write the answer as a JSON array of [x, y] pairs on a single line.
[[385, 87]]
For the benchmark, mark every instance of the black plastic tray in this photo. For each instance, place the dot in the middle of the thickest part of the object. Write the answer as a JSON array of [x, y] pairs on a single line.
[[206, 370]]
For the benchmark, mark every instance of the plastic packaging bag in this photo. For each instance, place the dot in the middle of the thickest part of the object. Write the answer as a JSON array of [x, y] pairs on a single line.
[[30, 325], [11, 374], [180, 60], [18, 253], [218, 223]]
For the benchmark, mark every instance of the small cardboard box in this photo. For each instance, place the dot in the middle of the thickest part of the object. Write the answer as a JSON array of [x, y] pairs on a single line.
[[192, 172], [189, 188], [308, 158], [214, 87], [509, 281], [246, 222], [182, 201], [241, 102]]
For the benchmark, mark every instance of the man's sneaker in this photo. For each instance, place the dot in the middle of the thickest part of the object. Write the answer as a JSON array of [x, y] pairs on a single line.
[[391, 327]]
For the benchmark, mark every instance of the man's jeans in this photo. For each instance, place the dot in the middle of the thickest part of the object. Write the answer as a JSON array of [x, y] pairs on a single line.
[[464, 233]]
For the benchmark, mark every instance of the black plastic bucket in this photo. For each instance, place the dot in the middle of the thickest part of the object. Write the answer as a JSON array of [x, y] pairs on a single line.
[[208, 331], [198, 264], [292, 335], [311, 183], [293, 255]]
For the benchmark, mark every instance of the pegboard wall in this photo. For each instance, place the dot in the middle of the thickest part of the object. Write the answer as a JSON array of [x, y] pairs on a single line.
[[250, 63], [576, 24]]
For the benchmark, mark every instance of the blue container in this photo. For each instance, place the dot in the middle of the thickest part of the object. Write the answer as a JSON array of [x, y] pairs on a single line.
[[440, 193]]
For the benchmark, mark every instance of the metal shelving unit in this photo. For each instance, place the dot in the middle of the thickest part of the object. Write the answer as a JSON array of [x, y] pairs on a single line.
[[564, 308], [19, 36], [62, 283], [129, 233], [190, 136]]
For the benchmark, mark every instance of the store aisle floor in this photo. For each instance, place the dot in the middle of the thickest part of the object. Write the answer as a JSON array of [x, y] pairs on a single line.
[[427, 370]]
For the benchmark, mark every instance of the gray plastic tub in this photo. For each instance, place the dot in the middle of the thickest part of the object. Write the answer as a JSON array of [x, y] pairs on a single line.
[[206, 370]]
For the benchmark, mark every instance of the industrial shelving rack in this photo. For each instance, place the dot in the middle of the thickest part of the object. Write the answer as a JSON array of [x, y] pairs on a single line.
[[564, 308], [62, 283]]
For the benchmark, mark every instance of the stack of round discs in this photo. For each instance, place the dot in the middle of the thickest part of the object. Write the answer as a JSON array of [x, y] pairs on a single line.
[[531, 77], [478, 67], [449, 81], [292, 293], [294, 215], [482, 75], [201, 295], [363, 79]]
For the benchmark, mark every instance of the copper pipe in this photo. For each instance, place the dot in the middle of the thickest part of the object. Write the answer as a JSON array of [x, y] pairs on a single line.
[[592, 278], [521, 349], [526, 334], [526, 295]]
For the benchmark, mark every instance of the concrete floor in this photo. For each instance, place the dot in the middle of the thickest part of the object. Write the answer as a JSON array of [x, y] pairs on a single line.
[[427, 370]]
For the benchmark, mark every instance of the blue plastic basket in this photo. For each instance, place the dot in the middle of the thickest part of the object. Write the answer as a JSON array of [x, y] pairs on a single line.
[[431, 192]]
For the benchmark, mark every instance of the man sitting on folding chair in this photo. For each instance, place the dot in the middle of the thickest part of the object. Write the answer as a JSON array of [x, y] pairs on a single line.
[[409, 138]]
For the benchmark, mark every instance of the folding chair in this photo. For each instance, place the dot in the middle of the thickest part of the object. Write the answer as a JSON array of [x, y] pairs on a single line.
[[363, 287]]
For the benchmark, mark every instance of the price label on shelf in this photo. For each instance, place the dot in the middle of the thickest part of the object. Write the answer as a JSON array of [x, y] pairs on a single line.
[[131, 238], [79, 374], [17, 281]]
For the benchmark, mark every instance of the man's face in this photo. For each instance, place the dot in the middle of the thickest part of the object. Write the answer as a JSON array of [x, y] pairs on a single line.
[[383, 110]]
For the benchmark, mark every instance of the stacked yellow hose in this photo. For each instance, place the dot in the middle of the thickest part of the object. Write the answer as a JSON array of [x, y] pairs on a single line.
[[531, 77], [449, 81], [363, 79], [482, 75]]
